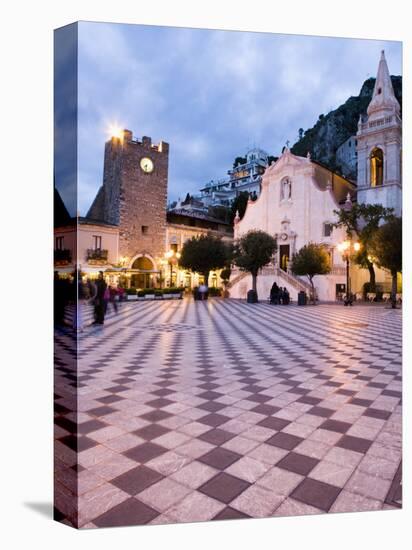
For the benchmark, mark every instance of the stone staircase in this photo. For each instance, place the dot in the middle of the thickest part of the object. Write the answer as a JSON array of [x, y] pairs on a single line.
[[270, 273]]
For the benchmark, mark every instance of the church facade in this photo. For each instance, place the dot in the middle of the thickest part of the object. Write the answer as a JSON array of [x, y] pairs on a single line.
[[299, 198]]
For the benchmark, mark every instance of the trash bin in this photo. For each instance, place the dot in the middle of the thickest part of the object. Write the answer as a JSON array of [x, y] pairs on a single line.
[[252, 297], [302, 298]]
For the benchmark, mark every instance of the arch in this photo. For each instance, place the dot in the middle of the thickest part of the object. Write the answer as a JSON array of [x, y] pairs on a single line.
[[376, 167], [143, 262]]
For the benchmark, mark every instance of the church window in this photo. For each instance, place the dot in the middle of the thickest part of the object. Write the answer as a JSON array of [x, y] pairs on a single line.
[[327, 229], [376, 167]]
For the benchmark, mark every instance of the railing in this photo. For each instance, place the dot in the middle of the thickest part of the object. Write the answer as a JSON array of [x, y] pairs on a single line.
[[295, 282], [97, 254], [377, 123], [62, 255], [338, 270]]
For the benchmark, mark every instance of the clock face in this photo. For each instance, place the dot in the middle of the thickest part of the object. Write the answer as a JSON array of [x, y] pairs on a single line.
[[146, 165], [283, 236]]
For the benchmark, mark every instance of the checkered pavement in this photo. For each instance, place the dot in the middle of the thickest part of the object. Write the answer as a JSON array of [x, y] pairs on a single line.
[[191, 411]]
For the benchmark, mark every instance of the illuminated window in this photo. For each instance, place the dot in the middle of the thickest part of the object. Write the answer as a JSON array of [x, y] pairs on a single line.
[[376, 167]]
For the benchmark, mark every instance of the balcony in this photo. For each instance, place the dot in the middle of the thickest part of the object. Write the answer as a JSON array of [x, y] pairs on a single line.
[[97, 256], [62, 256]]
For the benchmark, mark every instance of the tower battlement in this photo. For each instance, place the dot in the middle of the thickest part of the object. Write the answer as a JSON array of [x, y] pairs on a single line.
[[145, 141]]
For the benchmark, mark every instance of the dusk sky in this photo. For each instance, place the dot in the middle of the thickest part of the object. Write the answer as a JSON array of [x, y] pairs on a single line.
[[210, 94]]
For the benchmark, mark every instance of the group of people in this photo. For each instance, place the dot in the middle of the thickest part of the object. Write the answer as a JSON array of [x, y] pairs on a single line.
[[100, 295], [279, 295]]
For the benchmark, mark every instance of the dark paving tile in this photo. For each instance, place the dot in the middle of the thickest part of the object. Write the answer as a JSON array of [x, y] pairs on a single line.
[[352, 443], [224, 487], [335, 426], [308, 400], [136, 480], [284, 440], [129, 512], [211, 406], [101, 411], [219, 458], [151, 431], [377, 413], [316, 493], [230, 513], [213, 419], [361, 402], [259, 398], [145, 452], [266, 409], [155, 416], [78, 444], [110, 399], [216, 436], [118, 388], [162, 392], [274, 423], [321, 411], [346, 392], [392, 393], [210, 395], [300, 464]]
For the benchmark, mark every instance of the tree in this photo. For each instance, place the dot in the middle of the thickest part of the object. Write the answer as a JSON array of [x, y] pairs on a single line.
[[362, 221], [386, 247], [239, 204], [239, 160], [253, 251], [204, 254], [312, 259], [301, 132]]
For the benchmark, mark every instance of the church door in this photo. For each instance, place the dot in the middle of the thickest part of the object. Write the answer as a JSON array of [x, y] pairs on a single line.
[[284, 251]]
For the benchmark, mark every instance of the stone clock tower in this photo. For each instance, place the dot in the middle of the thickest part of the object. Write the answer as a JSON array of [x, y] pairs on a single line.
[[134, 196]]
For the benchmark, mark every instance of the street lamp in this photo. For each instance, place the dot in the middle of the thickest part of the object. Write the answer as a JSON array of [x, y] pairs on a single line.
[[172, 257], [346, 248]]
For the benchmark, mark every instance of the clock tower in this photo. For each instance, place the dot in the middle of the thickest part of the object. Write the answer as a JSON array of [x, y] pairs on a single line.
[[134, 197]]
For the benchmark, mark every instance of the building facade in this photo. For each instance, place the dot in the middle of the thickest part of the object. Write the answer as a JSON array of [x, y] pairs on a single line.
[[296, 206], [244, 177], [379, 146]]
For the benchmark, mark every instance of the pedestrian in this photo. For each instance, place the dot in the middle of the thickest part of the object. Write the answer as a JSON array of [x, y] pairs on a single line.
[[99, 306], [113, 297], [274, 294], [286, 296], [203, 291], [281, 295]]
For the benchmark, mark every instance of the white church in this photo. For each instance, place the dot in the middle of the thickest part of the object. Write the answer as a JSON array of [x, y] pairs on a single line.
[[299, 196]]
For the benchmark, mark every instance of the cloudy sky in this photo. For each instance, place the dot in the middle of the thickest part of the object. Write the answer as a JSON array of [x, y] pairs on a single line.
[[210, 94]]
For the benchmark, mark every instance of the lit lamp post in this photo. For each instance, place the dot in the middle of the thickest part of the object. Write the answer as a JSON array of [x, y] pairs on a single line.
[[172, 257], [346, 248]]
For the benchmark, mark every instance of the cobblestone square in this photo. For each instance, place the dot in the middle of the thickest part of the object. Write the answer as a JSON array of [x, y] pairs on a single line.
[[193, 411]]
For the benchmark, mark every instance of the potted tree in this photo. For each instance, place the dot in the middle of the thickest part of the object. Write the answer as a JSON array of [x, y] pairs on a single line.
[[312, 259], [251, 252], [204, 254]]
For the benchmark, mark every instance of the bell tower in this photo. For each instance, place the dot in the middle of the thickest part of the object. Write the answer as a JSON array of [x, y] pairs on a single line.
[[379, 146]]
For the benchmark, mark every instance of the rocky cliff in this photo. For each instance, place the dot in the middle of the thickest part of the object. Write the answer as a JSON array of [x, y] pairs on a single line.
[[332, 129]]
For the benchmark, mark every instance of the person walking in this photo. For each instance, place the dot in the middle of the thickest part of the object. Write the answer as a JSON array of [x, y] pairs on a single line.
[[113, 297], [99, 305], [286, 296], [274, 294]]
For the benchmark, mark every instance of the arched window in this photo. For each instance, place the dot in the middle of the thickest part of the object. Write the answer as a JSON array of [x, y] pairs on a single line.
[[376, 167], [142, 263]]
